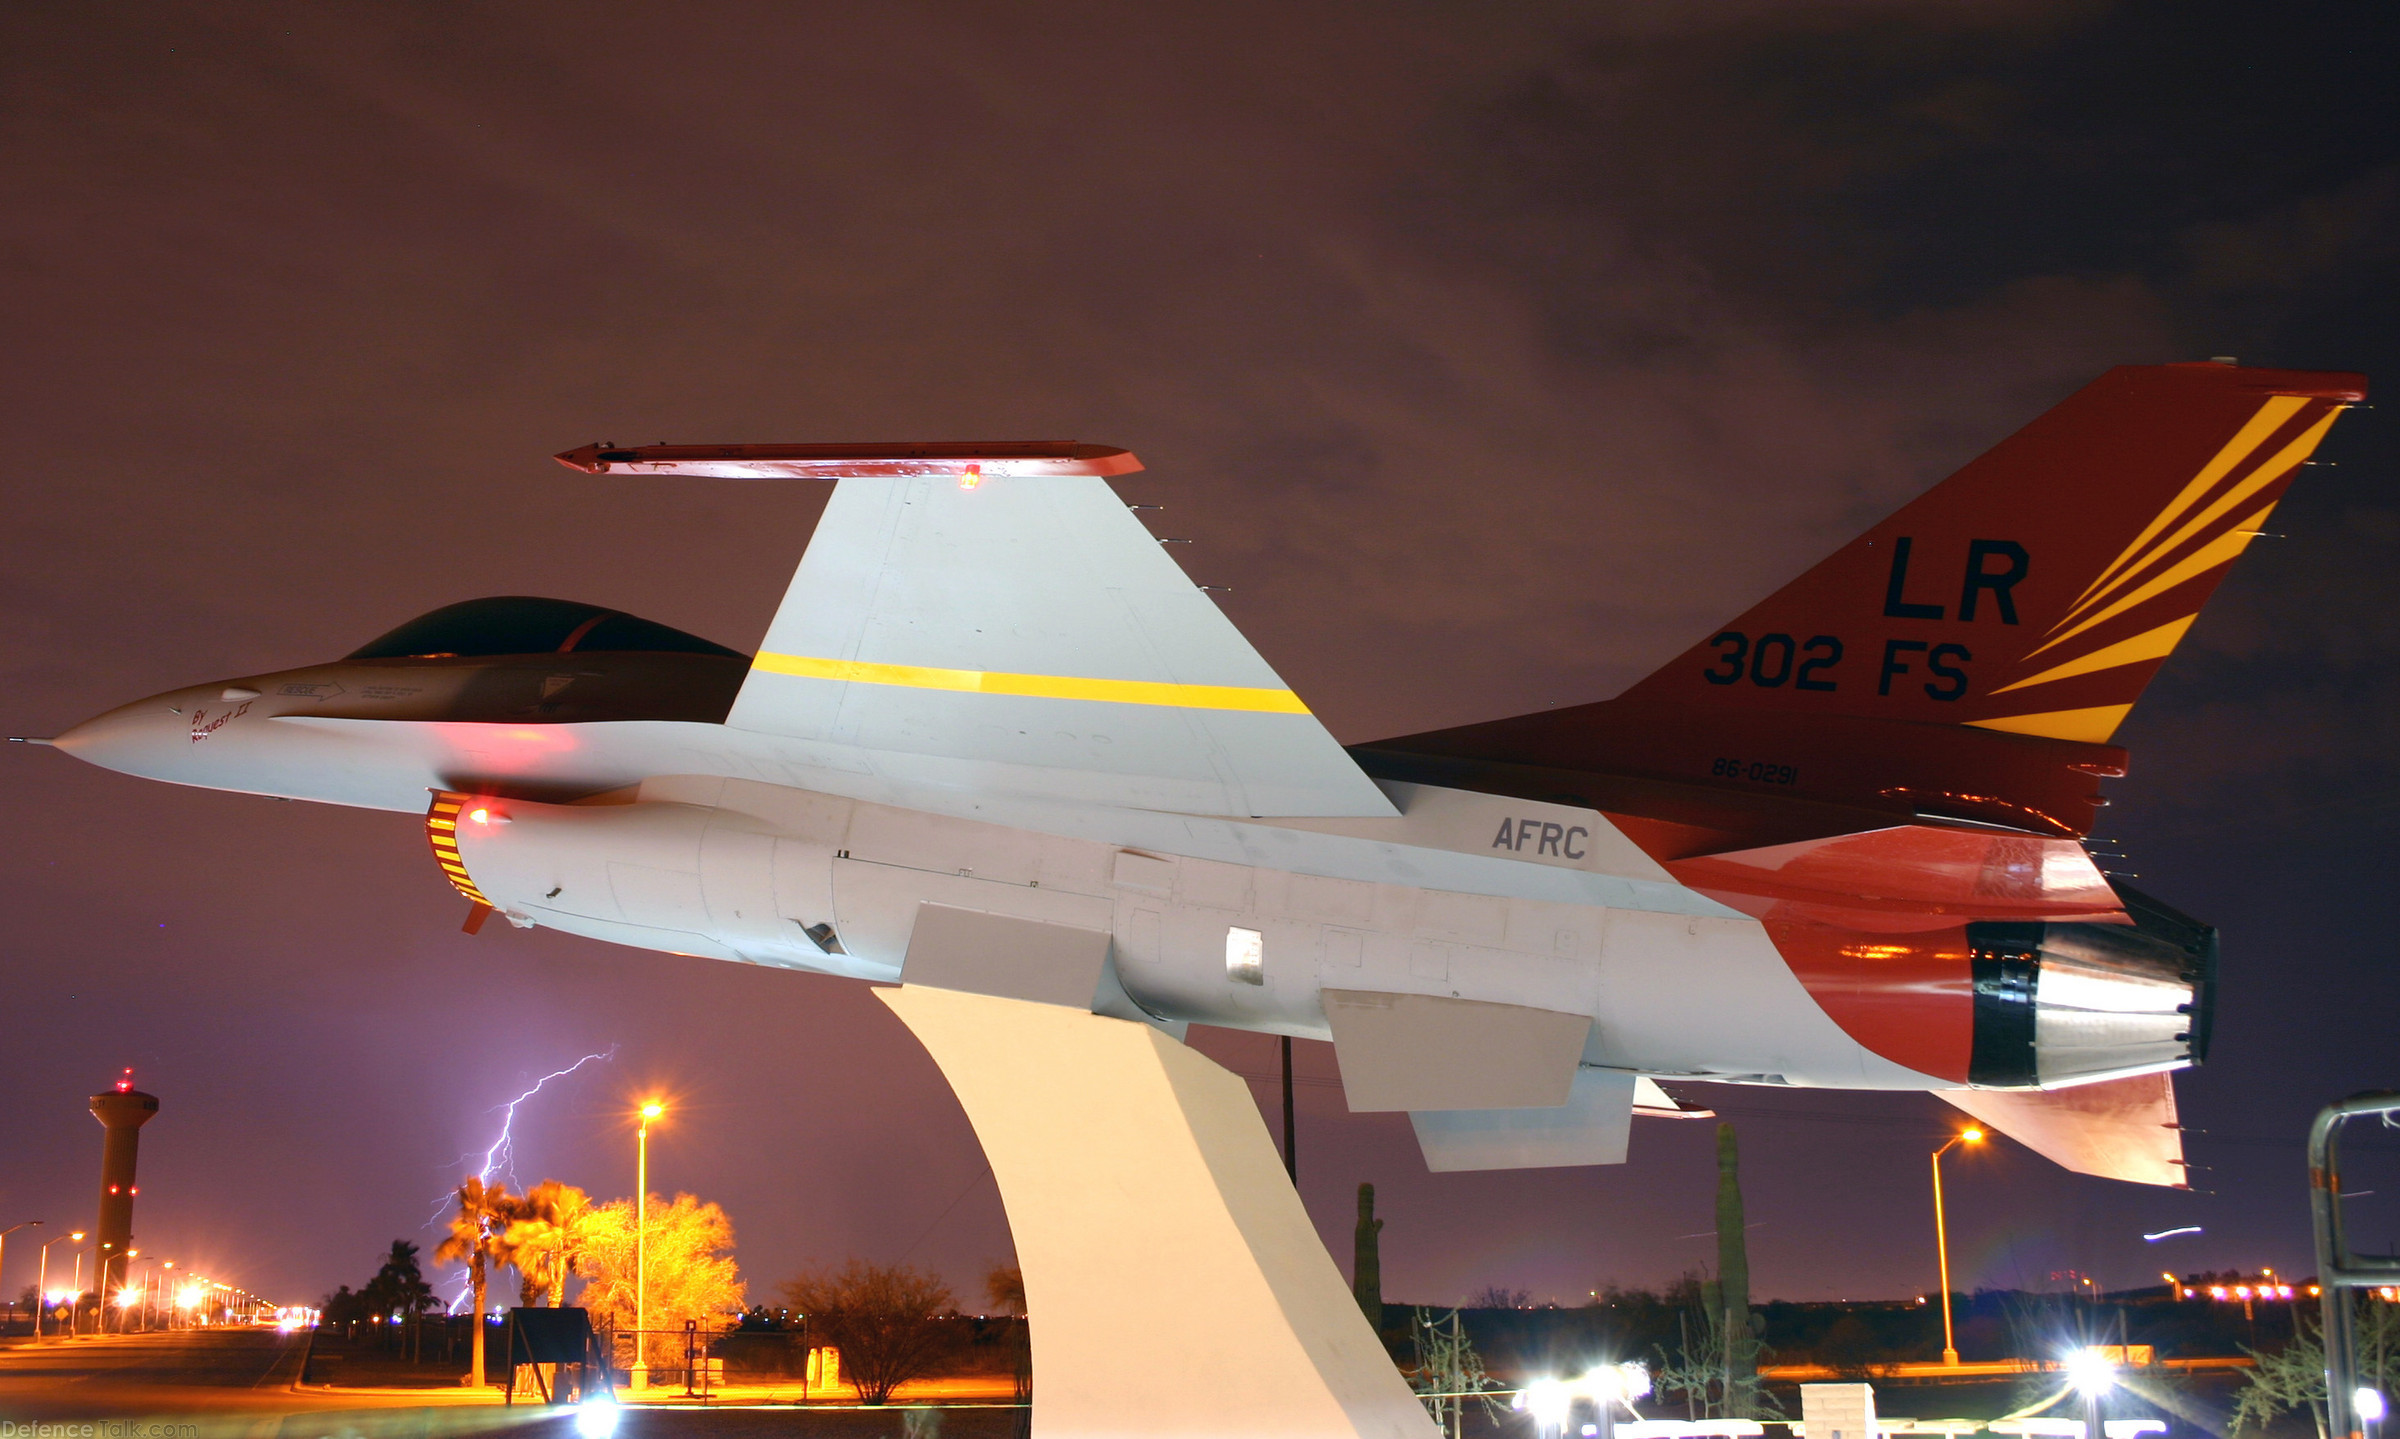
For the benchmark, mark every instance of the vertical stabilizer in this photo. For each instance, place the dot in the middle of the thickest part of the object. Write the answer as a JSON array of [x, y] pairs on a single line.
[[2037, 590]]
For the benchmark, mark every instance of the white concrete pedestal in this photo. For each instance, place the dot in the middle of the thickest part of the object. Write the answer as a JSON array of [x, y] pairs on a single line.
[[1174, 1283]]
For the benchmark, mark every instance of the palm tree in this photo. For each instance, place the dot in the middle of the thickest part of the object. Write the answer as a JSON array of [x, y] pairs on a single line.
[[477, 1236], [546, 1242], [398, 1291]]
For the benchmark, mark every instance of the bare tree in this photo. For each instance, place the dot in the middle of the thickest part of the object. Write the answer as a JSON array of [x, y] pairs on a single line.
[[891, 1323], [1448, 1371]]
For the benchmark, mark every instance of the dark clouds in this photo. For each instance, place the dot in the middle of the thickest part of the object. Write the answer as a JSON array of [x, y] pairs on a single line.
[[1488, 355]]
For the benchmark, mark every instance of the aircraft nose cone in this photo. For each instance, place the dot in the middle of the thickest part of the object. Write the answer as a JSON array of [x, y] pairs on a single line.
[[145, 738]]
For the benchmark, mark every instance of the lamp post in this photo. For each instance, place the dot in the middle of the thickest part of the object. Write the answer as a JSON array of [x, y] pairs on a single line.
[[4, 1233], [638, 1375], [41, 1286], [1941, 1238]]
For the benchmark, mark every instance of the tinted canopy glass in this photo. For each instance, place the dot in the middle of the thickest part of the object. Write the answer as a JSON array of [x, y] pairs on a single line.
[[526, 625]]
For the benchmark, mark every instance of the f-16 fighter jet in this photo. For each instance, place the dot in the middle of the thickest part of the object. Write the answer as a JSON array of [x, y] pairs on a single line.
[[999, 752]]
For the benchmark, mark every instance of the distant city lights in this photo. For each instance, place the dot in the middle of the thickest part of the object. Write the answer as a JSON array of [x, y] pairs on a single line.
[[2239, 1288]]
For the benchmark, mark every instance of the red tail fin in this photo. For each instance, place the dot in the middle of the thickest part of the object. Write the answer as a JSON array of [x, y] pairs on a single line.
[[2038, 589]]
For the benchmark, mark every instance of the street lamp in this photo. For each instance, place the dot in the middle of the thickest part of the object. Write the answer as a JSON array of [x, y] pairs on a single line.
[[1941, 1238], [75, 1313], [2368, 1405], [41, 1288], [639, 1374], [4, 1233]]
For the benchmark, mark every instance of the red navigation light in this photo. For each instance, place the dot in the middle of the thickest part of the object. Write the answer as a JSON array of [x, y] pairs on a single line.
[[125, 1085], [970, 477]]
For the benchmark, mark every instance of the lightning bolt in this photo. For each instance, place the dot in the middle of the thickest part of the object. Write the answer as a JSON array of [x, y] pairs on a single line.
[[502, 1154]]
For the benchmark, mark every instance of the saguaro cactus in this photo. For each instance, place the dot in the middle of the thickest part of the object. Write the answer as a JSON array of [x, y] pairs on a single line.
[[1733, 1281], [1366, 1265]]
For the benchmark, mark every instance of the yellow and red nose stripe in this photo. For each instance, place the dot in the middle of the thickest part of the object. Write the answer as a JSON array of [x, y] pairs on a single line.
[[441, 831], [1057, 687]]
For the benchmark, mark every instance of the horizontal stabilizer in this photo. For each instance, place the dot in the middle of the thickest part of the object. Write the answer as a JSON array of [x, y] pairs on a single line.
[[2117, 1129], [1887, 878], [1594, 1126]]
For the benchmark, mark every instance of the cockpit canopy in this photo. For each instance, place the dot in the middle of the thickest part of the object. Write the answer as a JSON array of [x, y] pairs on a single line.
[[527, 625]]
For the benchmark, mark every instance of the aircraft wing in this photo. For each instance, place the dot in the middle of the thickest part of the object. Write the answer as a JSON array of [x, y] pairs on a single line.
[[992, 617]]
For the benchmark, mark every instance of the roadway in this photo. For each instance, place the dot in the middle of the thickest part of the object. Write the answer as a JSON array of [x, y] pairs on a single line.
[[187, 1372], [236, 1383]]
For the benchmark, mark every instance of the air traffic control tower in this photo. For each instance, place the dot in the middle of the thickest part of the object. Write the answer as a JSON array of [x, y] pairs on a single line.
[[122, 1112]]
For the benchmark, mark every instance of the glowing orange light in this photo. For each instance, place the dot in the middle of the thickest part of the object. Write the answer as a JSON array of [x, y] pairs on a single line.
[[1972, 1136], [653, 1110], [970, 477]]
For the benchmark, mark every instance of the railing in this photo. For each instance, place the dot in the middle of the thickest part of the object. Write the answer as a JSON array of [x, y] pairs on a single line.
[[2339, 1272]]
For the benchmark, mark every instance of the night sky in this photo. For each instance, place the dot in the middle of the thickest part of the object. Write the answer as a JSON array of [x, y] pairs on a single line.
[[1491, 355]]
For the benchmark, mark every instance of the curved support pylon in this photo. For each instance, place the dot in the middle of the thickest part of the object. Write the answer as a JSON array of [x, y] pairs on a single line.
[[1174, 1282]]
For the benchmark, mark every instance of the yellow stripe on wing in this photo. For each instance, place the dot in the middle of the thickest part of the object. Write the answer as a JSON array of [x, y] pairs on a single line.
[[1057, 687]]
